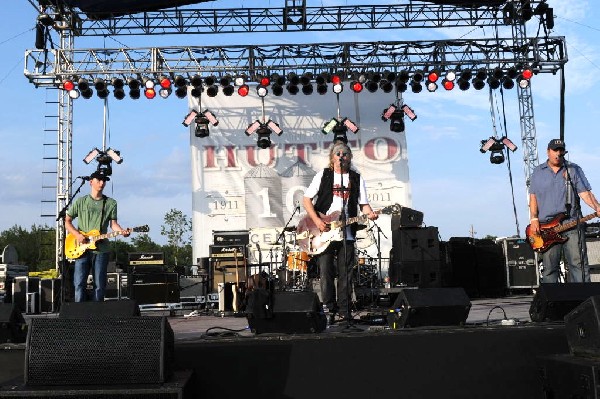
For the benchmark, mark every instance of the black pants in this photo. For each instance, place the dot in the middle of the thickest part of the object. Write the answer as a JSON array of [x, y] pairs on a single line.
[[337, 260]]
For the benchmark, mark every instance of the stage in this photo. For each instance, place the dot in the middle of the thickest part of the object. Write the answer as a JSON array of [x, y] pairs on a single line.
[[493, 355]]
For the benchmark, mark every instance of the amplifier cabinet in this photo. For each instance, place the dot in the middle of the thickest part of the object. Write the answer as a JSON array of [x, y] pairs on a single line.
[[235, 237], [422, 274], [116, 286], [520, 263], [151, 288]]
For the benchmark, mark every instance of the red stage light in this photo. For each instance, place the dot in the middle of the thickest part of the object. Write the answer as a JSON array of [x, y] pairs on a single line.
[[150, 93], [527, 73], [336, 80], [448, 84], [243, 90], [356, 87], [165, 83], [265, 81], [433, 76], [68, 85]]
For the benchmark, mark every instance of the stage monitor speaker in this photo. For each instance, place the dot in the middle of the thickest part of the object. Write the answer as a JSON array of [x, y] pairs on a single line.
[[582, 325], [99, 351], [416, 307], [90, 309], [150, 288], [568, 376], [416, 244], [292, 312], [553, 301], [407, 218], [13, 328]]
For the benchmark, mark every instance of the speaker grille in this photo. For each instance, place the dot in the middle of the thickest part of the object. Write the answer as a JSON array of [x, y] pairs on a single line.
[[104, 351]]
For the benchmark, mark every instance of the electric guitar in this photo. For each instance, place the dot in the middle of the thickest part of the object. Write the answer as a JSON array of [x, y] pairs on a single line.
[[74, 250], [549, 233], [313, 241]]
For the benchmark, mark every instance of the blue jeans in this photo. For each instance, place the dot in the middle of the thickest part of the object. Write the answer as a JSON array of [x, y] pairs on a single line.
[[331, 263], [97, 262], [572, 256]]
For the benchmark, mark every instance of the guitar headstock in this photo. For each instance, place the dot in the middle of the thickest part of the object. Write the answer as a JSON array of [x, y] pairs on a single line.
[[391, 210], [141, 229]]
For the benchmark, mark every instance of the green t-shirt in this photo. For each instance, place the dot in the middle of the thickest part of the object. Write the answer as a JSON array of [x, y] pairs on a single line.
[[88, 212]]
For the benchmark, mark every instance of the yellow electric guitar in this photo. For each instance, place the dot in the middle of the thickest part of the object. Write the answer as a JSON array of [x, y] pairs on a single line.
[[74, 250]]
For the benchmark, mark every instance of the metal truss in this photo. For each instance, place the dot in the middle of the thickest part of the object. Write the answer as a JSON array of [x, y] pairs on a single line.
[[290, 18], [49, 67]]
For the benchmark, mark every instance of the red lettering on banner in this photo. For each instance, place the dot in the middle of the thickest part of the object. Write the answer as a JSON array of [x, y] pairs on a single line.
[[373, 149], [231, 159], [301, 150], [251, 152], [209, 157]]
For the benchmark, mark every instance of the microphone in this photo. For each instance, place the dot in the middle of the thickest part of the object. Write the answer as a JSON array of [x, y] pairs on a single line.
[[298, 205], [84, 178]]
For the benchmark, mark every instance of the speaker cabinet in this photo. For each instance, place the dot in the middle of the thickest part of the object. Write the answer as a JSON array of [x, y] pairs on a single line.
[[567, 376], [292, 312], [26, 293], [416, 307], [582, 325], [553, 301], [521, 267], [416, 244], [99, 351], [150, 288], [12, 324], [105, 309], [422, 274]]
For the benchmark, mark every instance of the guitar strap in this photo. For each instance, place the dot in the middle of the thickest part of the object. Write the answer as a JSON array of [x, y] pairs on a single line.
[[102, 214]]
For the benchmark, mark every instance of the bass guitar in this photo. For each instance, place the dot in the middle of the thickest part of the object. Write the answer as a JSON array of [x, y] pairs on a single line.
[[74, 250], [549, 233], [313, 241]]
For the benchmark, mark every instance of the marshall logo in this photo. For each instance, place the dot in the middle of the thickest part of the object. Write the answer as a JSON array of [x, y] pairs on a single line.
[[146, 258], [227, 251]]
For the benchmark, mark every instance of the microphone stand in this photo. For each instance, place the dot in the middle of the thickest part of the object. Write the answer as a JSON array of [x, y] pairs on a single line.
[[578, 217], [379, 234], [282, 237]]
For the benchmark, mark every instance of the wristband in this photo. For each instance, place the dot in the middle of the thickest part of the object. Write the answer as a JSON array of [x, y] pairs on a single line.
[[532, 219]]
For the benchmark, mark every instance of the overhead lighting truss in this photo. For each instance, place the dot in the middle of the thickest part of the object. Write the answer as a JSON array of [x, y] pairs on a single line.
[[191, 20], [45, 68]]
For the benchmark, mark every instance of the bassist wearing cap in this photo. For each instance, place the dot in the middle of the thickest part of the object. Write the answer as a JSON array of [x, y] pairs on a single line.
[[557, 225], [95, 212], [337, 191]]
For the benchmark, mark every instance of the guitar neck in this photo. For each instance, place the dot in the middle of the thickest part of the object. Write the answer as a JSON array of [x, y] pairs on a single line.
[[356, 219], [572, 224], [107, 235]]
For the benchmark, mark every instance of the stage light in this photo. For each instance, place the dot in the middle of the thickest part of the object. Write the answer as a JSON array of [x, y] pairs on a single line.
[[277, 79], [498, 73], [74, 94], [210, 80], [321, 78], [252, 128], [508, 143], [87, 93], [496, 148], [189, 118], [306, 78], [262, 91], [292, 88], [523, 83], [374, 76], [387, 113], [508, 83], [478, 84], [225, 80], [417, 76], [202, 120], [91, 156], [307, 89], [466, 74], [180, 81], [433, 75], [196, 81], [408, 111], [68, 85], [338, 88], [512, 73], [196, 91], [431, 86], [119, 93], [148, 83], [527, 73], [103, 93], [386, 86], [448, 84], [397, 121], [239, 80], [336, 79], [403, 77], [350, 125], [329, 125], [339, 133], [243, 90], [99, 84], [464, 84], [164, 93], [274, 127], [416, 87], [493, 82], [371, 86], [497, 157], [356, 86], [264, 81], [212, 90], [401, 86], [164, 82], [83, 84], [293, 78], [277, 89], [201, 129], [322, 89], [264, 137], [134, 88], [115, 155], [150, 93], [389, 76], [451, 76], [228, 90]]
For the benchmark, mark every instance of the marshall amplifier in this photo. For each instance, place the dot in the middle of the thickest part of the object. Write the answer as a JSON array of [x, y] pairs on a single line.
[[146, 258], [228, 263], [236, 237]]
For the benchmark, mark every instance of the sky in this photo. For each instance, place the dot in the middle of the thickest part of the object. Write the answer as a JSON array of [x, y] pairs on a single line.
[[453, 183]]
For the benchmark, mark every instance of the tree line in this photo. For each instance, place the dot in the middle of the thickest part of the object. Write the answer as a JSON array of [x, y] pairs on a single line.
[[36, 247]]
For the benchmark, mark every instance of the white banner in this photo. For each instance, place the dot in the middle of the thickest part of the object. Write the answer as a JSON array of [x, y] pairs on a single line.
[[238, 186]]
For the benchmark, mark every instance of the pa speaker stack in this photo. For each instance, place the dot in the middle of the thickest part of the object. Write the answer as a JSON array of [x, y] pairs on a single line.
[[415, 257]]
